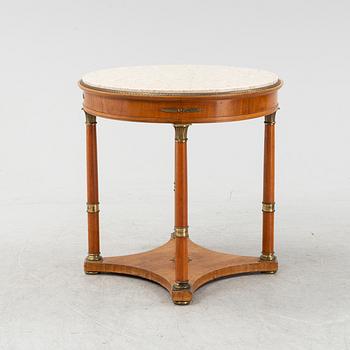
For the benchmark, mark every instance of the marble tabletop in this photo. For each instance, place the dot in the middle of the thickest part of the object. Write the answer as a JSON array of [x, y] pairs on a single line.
[[179, 79]]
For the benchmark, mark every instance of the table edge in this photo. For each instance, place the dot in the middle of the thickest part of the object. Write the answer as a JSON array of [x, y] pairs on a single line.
[[134, 94]]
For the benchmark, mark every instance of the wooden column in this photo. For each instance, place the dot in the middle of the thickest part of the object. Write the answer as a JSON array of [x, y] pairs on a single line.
[[92, 190], [268, 205], [180, 235]]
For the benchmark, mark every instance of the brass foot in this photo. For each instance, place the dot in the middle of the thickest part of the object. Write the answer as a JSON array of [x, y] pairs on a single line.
[[181, 293], [92, 258], [181, 302], [269, 272]]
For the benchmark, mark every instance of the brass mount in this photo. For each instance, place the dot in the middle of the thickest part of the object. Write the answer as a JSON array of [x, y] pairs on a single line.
[[179, 286], [270, 119], [90, 119], [268, 257], [181, 132], [94, 257], [181, 110], [180, 232], [92, 208], [268, 207]]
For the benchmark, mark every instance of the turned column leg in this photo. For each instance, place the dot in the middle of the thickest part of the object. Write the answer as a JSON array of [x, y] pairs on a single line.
[[268, 205], [92, 191], [181, 289]]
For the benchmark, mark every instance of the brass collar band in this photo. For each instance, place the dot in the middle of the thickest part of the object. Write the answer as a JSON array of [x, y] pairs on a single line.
[[181, 232], [94, 257], [183, 285], [268, 257], [90, 119], [270, 119], [268, 207], [181, 132], [92, 208]]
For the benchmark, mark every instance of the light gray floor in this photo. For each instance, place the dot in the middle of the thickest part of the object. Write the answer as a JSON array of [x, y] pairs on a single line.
[[47, 302]]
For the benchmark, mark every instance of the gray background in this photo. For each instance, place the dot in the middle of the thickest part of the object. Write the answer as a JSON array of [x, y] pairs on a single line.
[[46, 302]]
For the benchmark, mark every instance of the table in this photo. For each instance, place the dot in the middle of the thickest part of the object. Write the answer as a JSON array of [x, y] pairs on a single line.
[[180, 95]]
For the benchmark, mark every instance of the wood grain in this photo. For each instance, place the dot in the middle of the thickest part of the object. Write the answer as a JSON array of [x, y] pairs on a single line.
[[181, 210], [204, 266], [269, 189], [92, 188], [208, 108], [180, 259]]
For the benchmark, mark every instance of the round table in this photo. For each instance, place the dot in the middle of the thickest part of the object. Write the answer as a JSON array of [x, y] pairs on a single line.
[[181, 95]]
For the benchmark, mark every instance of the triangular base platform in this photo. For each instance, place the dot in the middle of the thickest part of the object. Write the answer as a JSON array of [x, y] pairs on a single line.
[[158, 265]]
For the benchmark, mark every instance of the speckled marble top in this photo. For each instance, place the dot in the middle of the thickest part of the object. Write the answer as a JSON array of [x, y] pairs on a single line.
[[179, 79]]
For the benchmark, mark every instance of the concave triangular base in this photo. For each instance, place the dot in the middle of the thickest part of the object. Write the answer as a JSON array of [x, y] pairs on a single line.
[[158, 265]]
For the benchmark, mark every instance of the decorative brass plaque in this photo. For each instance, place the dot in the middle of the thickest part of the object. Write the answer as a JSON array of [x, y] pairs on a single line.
[[181, 110]]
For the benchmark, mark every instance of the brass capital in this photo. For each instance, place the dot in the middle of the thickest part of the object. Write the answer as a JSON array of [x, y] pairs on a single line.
[[90, 119], [268, 207], [92, 208], [270, 119], [181, 132], [181, 232]]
